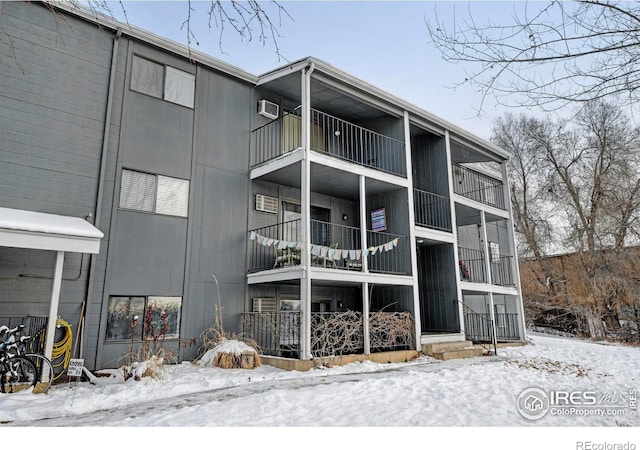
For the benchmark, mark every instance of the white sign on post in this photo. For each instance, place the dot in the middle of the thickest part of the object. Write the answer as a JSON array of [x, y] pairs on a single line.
[[75, 367]]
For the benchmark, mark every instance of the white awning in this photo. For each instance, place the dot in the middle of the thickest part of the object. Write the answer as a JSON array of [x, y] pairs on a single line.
[[29, 229]]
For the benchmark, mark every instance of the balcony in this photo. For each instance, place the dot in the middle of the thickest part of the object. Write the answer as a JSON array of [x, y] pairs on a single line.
[[331, 136], [333, 246], [472, 267], [502, 270], [432, 210], [332, 333], [478, 187], [478, 326]]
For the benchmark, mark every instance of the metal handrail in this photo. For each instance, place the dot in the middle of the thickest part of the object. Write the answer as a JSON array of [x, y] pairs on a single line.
[[492, 335]]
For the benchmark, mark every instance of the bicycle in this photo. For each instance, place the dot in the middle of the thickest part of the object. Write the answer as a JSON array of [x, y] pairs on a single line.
[[44, 367], [17, 373]]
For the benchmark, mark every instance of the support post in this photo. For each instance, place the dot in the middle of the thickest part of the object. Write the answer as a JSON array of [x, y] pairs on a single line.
[[412, 234], [454, 229], [53, 306], [487, 264], [365, 318], [305, 203]]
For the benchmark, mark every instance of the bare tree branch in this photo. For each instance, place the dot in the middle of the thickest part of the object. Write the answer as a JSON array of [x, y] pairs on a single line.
[[549, 55]]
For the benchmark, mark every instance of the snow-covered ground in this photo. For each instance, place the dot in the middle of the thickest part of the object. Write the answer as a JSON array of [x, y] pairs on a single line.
[[475, 392]]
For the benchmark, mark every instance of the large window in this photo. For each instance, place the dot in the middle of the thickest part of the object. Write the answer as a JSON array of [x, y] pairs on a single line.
[[151, 193], [164, 82], [140, 318]]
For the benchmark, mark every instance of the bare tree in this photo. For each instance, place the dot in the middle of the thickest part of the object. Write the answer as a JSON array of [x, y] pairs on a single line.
[[549, 54], [528, 190], [578, 179], [248, 19]]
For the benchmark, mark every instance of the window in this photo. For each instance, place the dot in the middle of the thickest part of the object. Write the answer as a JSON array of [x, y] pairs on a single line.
[[179, 87], [154, 193], [147, 77], [143, 318], [163, 82]]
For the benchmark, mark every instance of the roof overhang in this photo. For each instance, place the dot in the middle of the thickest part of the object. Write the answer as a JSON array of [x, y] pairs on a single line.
[[379, 98], [41, 231]]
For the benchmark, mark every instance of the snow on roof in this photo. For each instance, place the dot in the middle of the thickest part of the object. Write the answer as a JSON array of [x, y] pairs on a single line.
[[37, 222]]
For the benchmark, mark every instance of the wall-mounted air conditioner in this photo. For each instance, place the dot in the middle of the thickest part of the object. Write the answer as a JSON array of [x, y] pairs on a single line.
[[264, 305], [266, 204], [268, 109]]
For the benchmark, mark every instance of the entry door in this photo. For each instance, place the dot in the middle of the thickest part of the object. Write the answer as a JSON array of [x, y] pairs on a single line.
[[320, 219], [320, 230]]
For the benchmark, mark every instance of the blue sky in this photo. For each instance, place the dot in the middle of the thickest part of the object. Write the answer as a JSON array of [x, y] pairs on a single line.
[[384, 43]]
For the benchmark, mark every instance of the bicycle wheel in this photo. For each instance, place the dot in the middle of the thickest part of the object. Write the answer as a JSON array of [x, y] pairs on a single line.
[[45, 372], [21, 375]]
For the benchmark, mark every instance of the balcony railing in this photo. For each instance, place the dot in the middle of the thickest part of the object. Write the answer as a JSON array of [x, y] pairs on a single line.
[[472, 265], [333, 246], [265, 257], [330, 135], [354, 143], [395, 260], [477, 186], [478, 327], [276, 333], [502, 271], [432, 210], [276, 138], [332, 333]]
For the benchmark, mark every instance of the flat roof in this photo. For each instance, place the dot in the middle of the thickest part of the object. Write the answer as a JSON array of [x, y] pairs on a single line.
[[29, 229]]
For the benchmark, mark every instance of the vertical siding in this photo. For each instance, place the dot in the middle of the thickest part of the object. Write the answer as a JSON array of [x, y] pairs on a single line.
[[54, 75], [429, 164], [218, 221]]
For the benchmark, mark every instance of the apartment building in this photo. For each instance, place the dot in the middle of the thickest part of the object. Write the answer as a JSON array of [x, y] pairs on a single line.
[[331, 217]]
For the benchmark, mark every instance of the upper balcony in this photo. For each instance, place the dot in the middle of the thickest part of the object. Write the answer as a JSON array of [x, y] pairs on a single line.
[[478, 187], [333, 246], [331, 136]]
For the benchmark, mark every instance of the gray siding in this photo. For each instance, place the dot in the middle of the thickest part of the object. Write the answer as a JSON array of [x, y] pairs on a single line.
[[218, 219], [53, 91], [429, 164]]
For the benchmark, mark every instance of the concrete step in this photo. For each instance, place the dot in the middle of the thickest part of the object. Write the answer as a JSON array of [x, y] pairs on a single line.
[[429, 349], [445, 355]]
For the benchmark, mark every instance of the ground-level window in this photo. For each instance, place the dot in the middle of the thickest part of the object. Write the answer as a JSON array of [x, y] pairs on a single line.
[[149, 317], [154, 193]]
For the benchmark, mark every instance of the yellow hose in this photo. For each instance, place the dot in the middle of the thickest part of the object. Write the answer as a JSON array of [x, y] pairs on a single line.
[[62, 349]]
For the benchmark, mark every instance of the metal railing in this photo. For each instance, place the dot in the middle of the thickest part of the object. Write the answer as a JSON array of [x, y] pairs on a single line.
[[478, 327], [35, 326], [332, 333], [276, 333], [340, 239], [276, 138], [263, 257], [502, 271], [393, 261], [477, 186], [432, 210], [333, 246], [472, 265], [354, 143], [330, 135]]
